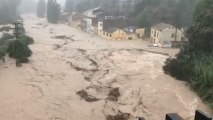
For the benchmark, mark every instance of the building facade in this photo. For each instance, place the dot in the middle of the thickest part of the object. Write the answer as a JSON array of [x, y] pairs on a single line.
[[162, 34]]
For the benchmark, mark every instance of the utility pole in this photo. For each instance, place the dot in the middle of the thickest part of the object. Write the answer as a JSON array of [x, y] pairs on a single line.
[[17, 32]]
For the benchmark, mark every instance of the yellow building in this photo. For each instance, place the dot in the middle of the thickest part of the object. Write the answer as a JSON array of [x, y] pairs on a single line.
[[117, 34], [113, 33], [140, 32]]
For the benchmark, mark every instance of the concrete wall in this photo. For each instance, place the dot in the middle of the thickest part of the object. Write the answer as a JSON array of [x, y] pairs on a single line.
[[100, 28], [155, 36], [119, 35], [169, 35], [140, 32]]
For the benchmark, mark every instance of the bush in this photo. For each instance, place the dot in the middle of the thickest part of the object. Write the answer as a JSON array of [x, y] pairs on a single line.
[[198, 71], [194, 63], [19, 51], [179, 66], [26, 40], [4, 42], [203, 77]]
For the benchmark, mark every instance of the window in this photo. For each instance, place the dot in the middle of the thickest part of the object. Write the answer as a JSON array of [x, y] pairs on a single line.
[[155, 34], [173, 35]]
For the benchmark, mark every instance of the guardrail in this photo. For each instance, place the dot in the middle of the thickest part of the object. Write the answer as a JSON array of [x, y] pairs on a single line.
[[199, 115]]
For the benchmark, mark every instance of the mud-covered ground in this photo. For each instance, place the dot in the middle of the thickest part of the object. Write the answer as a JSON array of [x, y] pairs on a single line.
[[73, 75]]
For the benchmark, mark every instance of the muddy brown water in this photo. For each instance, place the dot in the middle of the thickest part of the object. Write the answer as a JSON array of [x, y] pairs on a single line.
[[123, 81]]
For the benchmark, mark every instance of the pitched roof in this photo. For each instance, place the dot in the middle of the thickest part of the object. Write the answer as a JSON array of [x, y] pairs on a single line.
[[111, 30], [161, 26], [127, 32], [93, 10], [131, 27]]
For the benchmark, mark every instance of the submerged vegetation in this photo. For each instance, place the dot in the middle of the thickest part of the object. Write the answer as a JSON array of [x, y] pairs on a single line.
[[194, 63], [4, 43], [17, 49]]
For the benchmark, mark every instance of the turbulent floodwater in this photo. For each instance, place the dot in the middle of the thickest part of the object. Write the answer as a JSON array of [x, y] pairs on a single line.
[[73, 75]]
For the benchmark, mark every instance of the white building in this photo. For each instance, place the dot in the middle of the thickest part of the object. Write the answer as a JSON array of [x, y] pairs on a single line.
[[91, 18], [164, 34]]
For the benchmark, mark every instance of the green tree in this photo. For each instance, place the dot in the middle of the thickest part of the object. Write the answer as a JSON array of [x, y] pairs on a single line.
[[112, 7], [19, 51], [69, 6], [201, 33], [144, 19], [83, 5], [184, 13], [194, 62], [53, 11], [41, 8]]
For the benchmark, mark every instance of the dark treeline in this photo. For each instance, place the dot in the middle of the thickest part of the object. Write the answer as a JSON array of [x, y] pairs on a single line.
[[53, 11], [8, 11], [143, 13], [41, 8], [179, 13]]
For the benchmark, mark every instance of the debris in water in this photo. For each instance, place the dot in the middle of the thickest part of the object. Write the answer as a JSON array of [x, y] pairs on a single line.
[[81, 50], [84, 95], [56, 47], [114, 94], [119, 116], [63, 37]]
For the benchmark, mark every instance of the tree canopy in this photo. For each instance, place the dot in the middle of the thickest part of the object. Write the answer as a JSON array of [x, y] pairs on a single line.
[[8, 11], [194, 62], [53, 11], [41, 8], [69, 6]]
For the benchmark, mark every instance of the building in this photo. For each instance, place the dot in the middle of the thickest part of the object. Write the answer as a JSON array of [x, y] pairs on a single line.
[[76, 20], [91, 18], [116, 28], [139, 32], [117, 34], [163, 35]]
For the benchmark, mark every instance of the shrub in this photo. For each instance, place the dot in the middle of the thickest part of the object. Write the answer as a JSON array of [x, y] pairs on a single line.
[[19, 50], [26, 40], [198, 71], [194, 63], [4, 42], [203, 77]]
